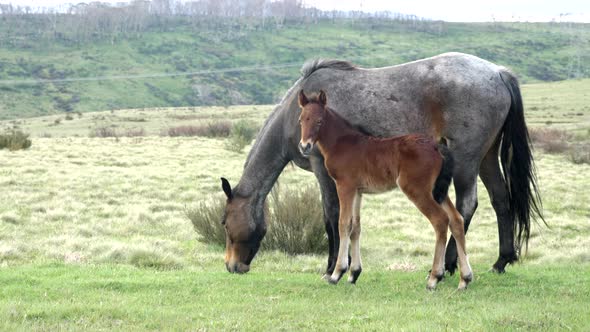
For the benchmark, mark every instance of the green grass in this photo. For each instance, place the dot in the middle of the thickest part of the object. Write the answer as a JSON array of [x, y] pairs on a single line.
[[536, 52], [94, 236], [61, 297]]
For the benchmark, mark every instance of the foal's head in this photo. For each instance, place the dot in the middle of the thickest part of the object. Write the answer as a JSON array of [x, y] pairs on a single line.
[[311, 119]]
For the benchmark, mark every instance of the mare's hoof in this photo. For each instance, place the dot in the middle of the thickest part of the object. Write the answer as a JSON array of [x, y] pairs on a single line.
[[498, 268]]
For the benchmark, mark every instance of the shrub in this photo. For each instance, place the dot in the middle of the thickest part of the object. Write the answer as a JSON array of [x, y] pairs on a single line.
[[213, 129], [580, 153], [104, 132], [206, 220], [69, 117], [112, 132], [295, 222], [550, 140], [242, 133], [15, 140], [134, 132]]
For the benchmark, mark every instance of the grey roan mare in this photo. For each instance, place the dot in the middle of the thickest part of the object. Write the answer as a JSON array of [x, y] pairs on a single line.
[[474, 104]]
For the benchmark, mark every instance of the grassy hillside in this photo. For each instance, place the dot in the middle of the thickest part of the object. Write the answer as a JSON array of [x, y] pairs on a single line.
[[563, 105], [536, 52], [94, 236]]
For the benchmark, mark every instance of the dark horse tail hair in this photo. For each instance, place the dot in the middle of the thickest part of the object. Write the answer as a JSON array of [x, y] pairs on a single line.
[[518, 165], [443, 181]]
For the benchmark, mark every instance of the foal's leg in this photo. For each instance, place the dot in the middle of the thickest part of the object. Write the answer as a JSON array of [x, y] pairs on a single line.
[[456, 225], [331, 211], [346, 197], [465, 182], [355, 240], [440, 222]]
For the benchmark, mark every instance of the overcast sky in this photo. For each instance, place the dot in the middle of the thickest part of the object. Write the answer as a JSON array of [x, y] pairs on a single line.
[[448, 10]]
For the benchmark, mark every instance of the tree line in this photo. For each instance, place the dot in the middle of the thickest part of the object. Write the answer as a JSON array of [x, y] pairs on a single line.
[[93, 21]]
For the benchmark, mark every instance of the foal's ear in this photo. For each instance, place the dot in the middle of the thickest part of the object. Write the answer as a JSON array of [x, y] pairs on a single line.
[[322, 98], [226, 188], [302, 99]]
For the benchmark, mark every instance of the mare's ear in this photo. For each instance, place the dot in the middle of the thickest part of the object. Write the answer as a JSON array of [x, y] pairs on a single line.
[[322, 98], [226, 188], [302, 99]]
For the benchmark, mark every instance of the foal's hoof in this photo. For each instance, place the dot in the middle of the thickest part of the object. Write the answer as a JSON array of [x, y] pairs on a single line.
[[465, 281], [431, 285], [335, 277], [354, 275], [433, 280], [334, 280]]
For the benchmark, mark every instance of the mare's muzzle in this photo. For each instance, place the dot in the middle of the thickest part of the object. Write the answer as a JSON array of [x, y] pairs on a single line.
[[305, 149], [237, 268]]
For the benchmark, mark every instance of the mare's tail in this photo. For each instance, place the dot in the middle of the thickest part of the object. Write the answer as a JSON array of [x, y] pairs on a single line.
[[518, 166], [443, 181]]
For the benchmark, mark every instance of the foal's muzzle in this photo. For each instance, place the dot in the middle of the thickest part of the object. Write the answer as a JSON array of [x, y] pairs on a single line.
[[305, 149]]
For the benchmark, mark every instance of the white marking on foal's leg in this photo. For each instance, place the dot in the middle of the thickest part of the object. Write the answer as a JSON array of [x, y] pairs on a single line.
[[355, 238], [356, 262], [341, 262]]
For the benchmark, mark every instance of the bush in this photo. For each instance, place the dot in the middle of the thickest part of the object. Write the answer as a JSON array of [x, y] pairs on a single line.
[[295, 222], [550, 140], [134, 132], [242, 133], [112, 132], [206, 220], [104, 132], [213, 129], [15, 140], [580, 153]]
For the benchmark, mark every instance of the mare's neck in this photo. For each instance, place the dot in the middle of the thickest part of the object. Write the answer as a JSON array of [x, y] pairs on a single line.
[[264, 164], [333, 129]]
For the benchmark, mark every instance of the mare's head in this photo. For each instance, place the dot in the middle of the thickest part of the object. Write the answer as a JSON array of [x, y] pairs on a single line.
[[311, 119], [242, 234]]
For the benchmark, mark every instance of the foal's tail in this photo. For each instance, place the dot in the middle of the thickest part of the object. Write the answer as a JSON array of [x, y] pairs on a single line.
[[517, 164], [443, 181]]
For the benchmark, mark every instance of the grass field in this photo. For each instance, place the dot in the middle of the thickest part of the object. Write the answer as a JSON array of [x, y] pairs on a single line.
[[94, 236]]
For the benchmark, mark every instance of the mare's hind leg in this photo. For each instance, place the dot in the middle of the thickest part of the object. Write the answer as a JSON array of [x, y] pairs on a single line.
[[355, 240], [456, 225], [346, 197], [465, 182], [491, 177]]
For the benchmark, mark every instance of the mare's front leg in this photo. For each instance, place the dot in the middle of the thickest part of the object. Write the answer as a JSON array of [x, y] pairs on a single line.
[[331, 209], [346, 197], [355, 240]]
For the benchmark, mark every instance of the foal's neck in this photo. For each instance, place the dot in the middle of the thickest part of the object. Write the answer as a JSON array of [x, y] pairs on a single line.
[[333, 129]]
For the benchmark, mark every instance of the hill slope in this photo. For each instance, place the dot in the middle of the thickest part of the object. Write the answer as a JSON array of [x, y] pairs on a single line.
[[536, 52]]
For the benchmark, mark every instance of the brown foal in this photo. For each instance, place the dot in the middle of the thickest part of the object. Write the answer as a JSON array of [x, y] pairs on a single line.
[[364, 164]]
